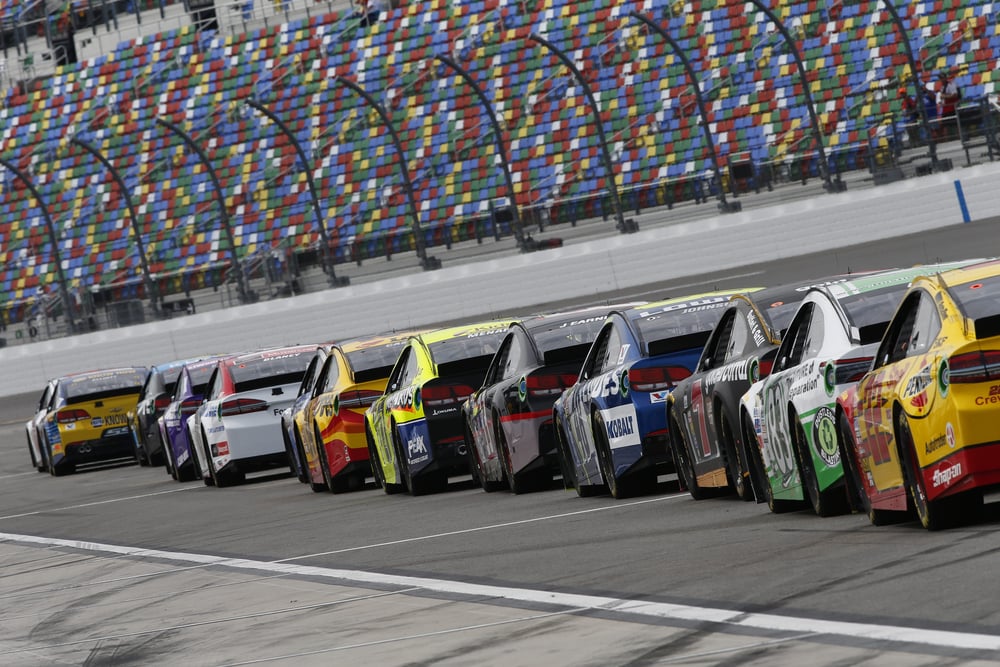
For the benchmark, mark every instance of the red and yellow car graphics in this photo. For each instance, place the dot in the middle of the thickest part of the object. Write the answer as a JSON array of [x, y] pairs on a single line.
[[352, 378], [921, 428]]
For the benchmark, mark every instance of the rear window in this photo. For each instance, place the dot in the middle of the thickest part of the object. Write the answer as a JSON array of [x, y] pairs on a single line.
[[371, 361], [668, 323], [271, 370], [556, 335], [476, 344], [979, 298], [874, 307], [199, 376], [103, 385]]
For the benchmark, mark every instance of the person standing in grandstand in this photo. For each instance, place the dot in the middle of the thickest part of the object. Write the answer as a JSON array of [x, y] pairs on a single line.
[[950, 96]]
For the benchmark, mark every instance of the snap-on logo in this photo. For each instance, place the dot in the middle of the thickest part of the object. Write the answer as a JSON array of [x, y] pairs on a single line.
[[946, 476]]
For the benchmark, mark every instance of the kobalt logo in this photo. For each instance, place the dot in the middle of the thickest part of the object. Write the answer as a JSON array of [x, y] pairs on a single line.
[[947, 475], [621, 427]]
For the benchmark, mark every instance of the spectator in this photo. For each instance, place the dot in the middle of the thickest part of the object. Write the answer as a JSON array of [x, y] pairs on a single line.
[[931, 110], [950, 96], [911, 115]]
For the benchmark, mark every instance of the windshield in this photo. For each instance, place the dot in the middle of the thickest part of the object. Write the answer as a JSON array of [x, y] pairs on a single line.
[[104, 385], [555, 334], [271, 369], [476, 344]]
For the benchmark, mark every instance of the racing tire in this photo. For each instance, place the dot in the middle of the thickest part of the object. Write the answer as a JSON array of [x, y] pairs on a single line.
[[39, 466], [933, 514], [776, 505], [324, 467], [736, 467], [517, 484], [377, 472], [857, 497], [61, 469], [169, 465], [827, 502], [189, 470], [303, 467], [566, 465], [682, 462]]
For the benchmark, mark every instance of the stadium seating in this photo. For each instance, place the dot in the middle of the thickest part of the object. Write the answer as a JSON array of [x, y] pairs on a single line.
[[199, 81]]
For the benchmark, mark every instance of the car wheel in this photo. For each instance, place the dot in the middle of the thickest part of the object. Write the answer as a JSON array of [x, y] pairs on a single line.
[[933, 514], [303, 467], [736, 466], [682, 462], [517, 483], [757, 469], [377, 471], [857, 497], [826, 502], [61, 469], [617, 488], [566, 465], [189, 470]]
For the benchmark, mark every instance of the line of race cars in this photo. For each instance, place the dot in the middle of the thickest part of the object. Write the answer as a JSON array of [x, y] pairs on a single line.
[[876, 392]]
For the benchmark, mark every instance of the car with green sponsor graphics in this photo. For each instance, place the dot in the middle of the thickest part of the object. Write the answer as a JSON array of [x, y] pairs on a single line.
[[415, 431], [788, 417]]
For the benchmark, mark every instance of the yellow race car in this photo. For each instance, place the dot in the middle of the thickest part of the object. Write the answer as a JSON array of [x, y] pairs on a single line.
[[332, 425], [922, 425], [415, 431], [88, 421]]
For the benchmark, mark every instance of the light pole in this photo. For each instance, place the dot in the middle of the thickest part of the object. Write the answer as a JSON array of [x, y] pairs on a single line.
[[151, 291], [327, 260], [624, 226], [724, 206], [426, 263], [242, 290], [60, 274], [504, 162]]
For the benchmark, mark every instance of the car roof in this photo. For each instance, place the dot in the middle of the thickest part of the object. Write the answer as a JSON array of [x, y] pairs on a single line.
[[975, 271], [871, 282], [681, 302], [463, 331], [365, 342], [270, 352]]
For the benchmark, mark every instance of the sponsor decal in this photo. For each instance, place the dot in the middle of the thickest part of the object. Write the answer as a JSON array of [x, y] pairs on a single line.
[[220, 448], [944, 377], [658, 396], [830, 378], [585, 320], [624, 386], [918, 382], [692, 306], [406, 399], [945, 476], [990, 399], [621, 426], [622, 353], [949, 435], [935, 444], [217, 429], [734, 372], [755, 329], [443, 411], [522, 389], [825, 436], [96, 422], [416, 450], [116, 420]]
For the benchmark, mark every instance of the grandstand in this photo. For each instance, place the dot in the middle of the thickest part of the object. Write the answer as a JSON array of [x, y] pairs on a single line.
[[196, 70]]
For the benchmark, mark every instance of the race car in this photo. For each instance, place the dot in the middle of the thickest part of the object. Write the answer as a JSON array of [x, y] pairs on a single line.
[[416, 437], [87, 420], [239, 421], [509, 418], [703, 411], [189, 394], [922, 422], [351, 380], [295, 420], [788, 418], [611, 424], [33, 428], [153, 400]]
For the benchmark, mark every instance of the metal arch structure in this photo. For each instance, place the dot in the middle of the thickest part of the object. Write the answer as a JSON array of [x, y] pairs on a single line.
[[724, 206], [824, 168], [522, 243], [327, 260], [622, 225], [60, 274], [241, 286], [151, 292], [936, 165], [426, 263]]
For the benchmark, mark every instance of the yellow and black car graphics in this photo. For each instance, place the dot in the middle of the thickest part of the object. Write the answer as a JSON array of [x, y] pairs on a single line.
[[89, 418], [415, 430]]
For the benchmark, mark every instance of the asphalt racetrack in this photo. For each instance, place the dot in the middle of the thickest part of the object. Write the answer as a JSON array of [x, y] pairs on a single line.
[[121, 565]]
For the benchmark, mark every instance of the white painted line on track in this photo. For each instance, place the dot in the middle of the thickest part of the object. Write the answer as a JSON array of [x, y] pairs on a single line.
[[19, 474], [494, 526], [96, 502], [574, 601]]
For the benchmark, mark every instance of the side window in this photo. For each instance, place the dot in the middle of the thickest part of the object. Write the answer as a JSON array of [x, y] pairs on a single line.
[[598, 353], [926, 326], [737, 337], [512, 362], [790, 352], [327, 376], [897, 337], [615, 351], [814, 335], [410, 370], [309, 377], [495, 372], [215, 385], [396, 378], [715, 349]]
